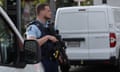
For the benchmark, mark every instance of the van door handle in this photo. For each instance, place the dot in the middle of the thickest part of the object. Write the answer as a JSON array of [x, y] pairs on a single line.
[[74, 39]]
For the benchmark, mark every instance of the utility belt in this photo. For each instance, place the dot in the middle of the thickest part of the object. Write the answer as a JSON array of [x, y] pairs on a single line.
[[52, 55]]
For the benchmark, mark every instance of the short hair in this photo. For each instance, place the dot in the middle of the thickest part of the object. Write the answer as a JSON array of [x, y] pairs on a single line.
[[40, 7]]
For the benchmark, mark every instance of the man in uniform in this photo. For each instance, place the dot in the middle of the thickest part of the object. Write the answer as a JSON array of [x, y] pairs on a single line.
[[36, 30]]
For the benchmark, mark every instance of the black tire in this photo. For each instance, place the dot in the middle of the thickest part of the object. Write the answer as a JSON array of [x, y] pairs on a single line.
[[119, 62], [118, 65], [64, 68]]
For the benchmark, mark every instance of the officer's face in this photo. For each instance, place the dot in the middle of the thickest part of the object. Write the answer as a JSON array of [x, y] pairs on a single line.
[[47, 12]]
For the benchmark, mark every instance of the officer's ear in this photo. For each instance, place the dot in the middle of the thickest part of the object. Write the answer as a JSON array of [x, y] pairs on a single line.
[[42, 13]]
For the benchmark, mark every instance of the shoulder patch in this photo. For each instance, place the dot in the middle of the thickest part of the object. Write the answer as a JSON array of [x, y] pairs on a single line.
[[30, 28]]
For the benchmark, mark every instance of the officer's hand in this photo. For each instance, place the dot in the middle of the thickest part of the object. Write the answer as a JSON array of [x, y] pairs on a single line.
[[52, 38], [60, 59]]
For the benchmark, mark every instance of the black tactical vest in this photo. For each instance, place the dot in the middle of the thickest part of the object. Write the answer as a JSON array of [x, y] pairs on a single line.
[[46, 48]]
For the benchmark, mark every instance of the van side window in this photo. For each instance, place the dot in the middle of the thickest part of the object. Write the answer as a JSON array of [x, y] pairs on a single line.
[[7, 42], [117, 17]]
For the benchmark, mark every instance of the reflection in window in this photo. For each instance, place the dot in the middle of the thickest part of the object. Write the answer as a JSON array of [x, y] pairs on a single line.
[[6, 41]]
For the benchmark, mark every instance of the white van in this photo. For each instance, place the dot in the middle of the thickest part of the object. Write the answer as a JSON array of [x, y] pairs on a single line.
[[11, 52], [91, 33]]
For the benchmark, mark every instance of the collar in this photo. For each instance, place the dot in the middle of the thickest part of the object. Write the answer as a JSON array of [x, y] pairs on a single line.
[[46, 24]]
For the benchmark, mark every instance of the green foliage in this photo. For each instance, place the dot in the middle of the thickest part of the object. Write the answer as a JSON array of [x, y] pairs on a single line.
[[35, 2], [2, 3], [42, 1], [87, 3], [39, 1], [64, 3]]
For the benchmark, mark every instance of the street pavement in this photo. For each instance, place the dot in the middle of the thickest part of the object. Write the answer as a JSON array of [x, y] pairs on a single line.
[[101, 68]]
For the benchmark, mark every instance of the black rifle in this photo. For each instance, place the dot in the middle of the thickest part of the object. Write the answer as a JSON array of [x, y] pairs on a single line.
[[59, 48]]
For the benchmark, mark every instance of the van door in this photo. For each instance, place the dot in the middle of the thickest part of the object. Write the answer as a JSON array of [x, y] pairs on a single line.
[[11, 43], [8, 46], [73, 27], [98, 34]]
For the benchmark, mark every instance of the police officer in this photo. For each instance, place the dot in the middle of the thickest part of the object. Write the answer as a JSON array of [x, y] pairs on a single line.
[[36, 30]]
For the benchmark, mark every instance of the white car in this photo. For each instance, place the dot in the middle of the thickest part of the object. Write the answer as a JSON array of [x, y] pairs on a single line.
[[11, 52], [91, 33]]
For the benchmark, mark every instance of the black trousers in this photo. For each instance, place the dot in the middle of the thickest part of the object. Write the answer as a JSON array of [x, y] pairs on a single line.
[[49, 65]]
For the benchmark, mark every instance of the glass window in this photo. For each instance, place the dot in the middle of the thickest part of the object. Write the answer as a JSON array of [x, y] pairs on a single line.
[[7, 42], [117, 17]]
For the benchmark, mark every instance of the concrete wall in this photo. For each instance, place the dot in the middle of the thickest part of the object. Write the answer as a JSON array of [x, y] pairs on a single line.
[[109, 2]]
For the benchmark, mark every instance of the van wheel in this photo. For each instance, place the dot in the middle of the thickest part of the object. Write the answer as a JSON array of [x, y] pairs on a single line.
[[64, 68], [119, 63], [118, 68]]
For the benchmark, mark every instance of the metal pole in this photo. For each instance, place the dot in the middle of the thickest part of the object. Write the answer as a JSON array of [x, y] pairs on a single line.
[[5, 5], [104, 1], [79, 3], [19, 14], [53, 8]]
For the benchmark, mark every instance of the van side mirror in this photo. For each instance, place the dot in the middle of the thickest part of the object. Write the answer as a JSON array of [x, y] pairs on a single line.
[[32, 52]]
